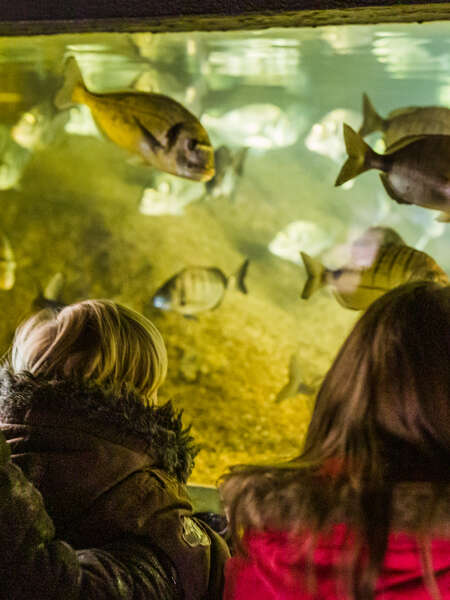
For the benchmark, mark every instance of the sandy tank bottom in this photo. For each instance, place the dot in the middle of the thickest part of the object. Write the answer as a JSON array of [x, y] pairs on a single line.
[[76, 211]]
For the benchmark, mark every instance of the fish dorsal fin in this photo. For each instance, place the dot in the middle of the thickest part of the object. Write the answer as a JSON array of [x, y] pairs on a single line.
[[403, 142], [398, 112]]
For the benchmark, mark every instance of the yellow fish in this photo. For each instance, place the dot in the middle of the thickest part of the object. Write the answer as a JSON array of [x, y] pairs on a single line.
[[356, 286], [157, 128]]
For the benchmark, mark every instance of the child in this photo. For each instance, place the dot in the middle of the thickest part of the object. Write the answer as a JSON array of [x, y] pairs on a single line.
[[364, 511], [78, 406]]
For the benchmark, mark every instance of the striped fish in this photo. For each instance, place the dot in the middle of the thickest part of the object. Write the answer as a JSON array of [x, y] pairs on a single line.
[[356, 287], [198, 289]]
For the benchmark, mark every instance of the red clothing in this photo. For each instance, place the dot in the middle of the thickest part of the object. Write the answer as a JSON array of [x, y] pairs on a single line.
[[275, 568]]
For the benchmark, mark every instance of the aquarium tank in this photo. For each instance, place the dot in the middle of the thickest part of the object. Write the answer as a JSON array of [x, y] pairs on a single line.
[[244, 272]]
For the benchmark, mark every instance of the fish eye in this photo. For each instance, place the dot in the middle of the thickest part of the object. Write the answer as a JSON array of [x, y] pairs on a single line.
[[191, 144]]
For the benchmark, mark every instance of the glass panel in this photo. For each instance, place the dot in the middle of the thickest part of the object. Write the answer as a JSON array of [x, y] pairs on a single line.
[[83, 218]]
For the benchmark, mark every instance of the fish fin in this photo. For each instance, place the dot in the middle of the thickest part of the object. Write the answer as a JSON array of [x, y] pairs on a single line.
[[72, 78], [371, 119], [315, 272], [443, 218], [191, 317], [359, 154], [240, 276], [402, 143], [390, 190], [151, 143]]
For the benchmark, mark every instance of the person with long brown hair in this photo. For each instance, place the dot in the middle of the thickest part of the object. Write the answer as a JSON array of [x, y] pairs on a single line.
[[364, 511], [93, 501]]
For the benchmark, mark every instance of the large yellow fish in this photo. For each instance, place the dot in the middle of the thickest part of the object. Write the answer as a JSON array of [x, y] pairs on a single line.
[[157, 128], [361, 282]]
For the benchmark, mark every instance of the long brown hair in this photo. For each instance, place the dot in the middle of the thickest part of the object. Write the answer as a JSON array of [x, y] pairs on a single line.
[[98, 341], [382, 416]]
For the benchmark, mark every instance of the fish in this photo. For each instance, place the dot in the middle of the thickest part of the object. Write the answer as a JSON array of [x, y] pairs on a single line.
[[38, 127], [50, 297], [7, 264], [415, 170], [298, 236], [169, 195], [13, 160], [155, 127], [198, 289], [369, 276], [325, 137], [229, 166], [296, 382], [403, 122], [262, 126]]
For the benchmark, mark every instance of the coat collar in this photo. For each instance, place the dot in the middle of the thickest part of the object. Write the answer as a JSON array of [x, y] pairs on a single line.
[[124, 418]]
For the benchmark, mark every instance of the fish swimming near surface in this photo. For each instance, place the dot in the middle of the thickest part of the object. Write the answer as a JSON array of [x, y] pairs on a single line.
[[7, 264], [296, 382], [403, 122], [50, 297], [415, 170], [374, 268], [229, 165], [153, 126], [198, 289]]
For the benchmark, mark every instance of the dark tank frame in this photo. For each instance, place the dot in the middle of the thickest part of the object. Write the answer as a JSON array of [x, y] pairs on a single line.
[[37, 17]]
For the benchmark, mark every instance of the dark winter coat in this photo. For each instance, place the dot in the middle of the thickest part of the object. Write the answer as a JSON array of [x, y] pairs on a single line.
[[112, 476]]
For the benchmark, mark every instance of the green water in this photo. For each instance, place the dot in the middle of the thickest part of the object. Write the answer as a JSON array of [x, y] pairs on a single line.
[[72, 203]]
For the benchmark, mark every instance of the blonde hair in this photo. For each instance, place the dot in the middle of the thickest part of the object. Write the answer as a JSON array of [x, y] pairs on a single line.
[[98, 341]]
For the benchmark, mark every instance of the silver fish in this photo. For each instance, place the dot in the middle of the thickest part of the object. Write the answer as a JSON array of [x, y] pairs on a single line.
[[197, 289], [403, 122], [415, 170]]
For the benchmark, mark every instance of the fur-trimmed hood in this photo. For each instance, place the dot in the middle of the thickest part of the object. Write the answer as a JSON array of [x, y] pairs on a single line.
[[124, 419]]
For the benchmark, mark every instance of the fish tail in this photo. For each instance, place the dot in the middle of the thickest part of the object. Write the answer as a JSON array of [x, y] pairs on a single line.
[[360, 156], [72, 80], [315, 272], [371, 119], [240, 276]]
